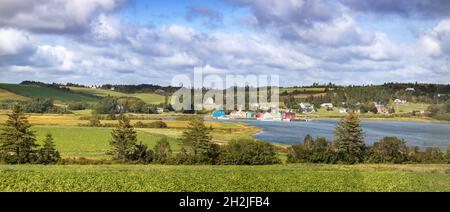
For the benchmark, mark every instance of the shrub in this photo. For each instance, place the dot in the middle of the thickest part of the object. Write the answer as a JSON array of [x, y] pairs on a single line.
[[389, 150], [311, 151], [248, 152], [162, 151], [156, 124]]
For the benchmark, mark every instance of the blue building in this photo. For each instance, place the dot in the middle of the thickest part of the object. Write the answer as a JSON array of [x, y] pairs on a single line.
[[218, 113]]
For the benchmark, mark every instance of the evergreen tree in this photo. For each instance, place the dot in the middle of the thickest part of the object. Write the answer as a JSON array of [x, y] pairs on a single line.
[[124, 140], [197, 145], [48, 153], [17, 141], [162, 151], [350, 147]]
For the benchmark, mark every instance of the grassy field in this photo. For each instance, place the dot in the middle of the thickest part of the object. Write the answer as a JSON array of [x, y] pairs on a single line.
[[148, 98], [93, 143], [36, 91], [277, 178]]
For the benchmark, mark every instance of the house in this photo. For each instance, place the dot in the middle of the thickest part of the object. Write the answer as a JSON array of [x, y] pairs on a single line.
[[381, 108], [218, 114], [238, 114], [209, 104], [343, 110], [327, 105], [159, 110], [410, 89], [307, 107], [113, 88], [260, 115], [267, 116], [289, 115], [400, 102], [250, 115], [209, 101]]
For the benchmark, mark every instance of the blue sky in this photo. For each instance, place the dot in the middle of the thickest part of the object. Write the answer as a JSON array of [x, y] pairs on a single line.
[[304, 41]]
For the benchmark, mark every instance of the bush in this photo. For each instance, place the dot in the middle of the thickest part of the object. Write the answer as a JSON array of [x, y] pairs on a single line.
[[311, 151], [162, 151], [248, 152], [389, 150], [77, 106], [156, 124]]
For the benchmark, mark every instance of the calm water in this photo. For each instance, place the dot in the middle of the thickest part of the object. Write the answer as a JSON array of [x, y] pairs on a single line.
[[415, 133]]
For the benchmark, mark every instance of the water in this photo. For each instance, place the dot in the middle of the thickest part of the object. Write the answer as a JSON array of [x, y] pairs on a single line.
[[415, 133]]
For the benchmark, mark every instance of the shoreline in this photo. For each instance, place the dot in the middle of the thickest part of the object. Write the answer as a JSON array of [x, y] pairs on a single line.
[[419, 120]]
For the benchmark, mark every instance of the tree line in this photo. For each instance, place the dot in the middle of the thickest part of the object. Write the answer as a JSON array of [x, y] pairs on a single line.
[[197, 148], [349, 148], [18, 146]]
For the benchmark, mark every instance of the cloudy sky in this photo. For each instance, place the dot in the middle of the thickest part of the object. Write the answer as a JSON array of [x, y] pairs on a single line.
[[150, 41]]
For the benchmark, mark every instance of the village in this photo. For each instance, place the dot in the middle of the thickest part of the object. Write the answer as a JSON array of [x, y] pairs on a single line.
[[270, 112]]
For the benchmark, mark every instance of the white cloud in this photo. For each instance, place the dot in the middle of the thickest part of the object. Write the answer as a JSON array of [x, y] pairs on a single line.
[[13, 42], [53, 16]]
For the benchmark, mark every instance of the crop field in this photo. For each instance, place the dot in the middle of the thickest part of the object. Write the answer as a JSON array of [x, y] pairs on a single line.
[[148, 98], [36, 91], [6, 95], [278, 178]]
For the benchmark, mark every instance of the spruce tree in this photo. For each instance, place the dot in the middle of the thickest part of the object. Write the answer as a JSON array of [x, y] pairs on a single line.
[[124, 140], [197, 145], [48, 153], [349, 145], [17, 141]]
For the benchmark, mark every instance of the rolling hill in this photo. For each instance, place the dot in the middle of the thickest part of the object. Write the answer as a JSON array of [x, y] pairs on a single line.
[[148, 98], [9, 96], [16, 92]]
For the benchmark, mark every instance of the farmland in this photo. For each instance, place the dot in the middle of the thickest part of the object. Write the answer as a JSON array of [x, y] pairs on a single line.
[[37, 91], [284, 178], [148, 98], [6, 95], [93, 143]]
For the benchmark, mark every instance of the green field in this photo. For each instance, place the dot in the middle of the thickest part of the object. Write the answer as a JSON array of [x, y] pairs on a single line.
[[148, 98], [91, 143], [36, 91], [279, 178]]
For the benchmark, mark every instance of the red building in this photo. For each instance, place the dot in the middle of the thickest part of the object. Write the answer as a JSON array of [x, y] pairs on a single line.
[[260, 115], [289, 116]]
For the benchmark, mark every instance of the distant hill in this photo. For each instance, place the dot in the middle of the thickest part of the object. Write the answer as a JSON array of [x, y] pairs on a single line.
[[17, 92], [149, 98]]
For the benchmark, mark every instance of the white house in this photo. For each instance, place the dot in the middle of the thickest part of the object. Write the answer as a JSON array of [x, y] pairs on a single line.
[[307, 107], [410, 89], [400, 102], [327, 105], [159, 110], [343, 110]]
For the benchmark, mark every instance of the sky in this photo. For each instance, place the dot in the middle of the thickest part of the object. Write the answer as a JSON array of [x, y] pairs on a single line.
[[304, 41]]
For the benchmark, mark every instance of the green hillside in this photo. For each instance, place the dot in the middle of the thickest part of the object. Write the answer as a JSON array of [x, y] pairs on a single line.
[[37, 91], [148, 98]]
